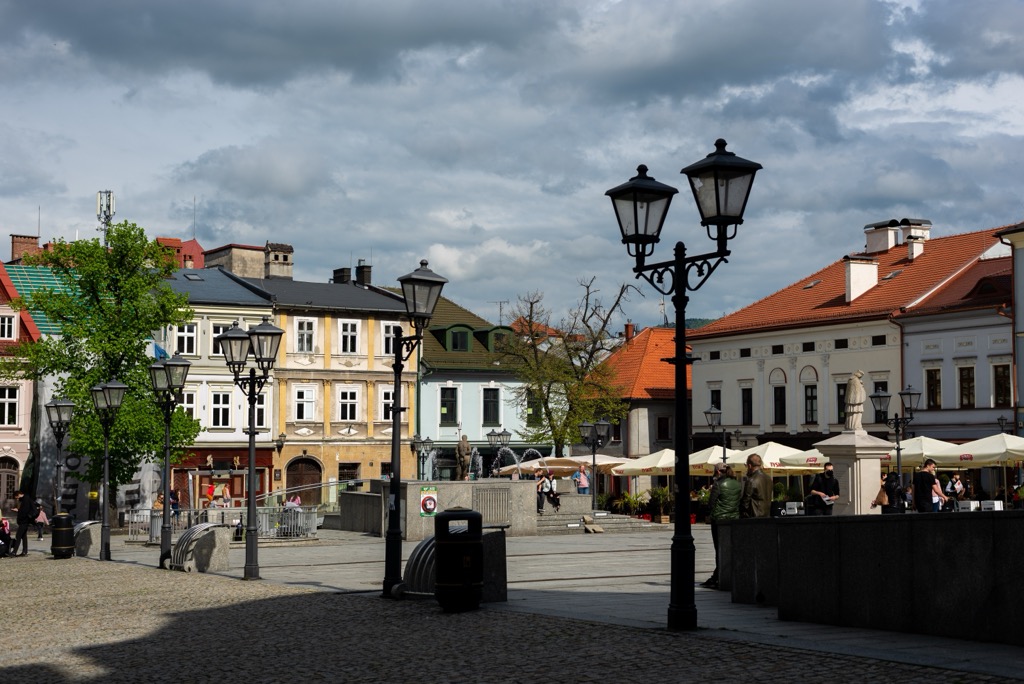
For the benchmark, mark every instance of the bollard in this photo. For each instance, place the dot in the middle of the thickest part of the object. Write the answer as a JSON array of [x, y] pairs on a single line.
[[62, 537], [459, 557]]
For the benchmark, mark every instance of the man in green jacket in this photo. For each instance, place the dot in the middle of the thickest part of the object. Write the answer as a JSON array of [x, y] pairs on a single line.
[[725, 505]]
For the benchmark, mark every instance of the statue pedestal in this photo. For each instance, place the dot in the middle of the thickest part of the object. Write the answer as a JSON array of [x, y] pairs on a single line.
[[856, 456]]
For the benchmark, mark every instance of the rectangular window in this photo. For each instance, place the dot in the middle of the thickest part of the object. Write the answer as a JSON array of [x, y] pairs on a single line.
[[878, 340], [449, 406], [808, 346], [8, 406], [1001, 386], [747, 405], [261, 410], [492, 406], [534, 411], [188, 403], [220, 409], [6, 327], [664, 429], [391, 331], [933, 388], [217, 329], [882, 386], [810, 404], [779, 401], [776, 349], [185, 340], [745, 353], [841, 403], [348, 404], [460, 340], [387, 401], [715, 355], [305, 402], [304, 329], [965, 374], [716, 399], [842, 344], [348, 342]]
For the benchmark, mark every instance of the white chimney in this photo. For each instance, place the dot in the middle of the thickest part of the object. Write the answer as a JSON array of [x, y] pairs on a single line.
[[919, 228], [915, 246], [861, 276], [881, 236]]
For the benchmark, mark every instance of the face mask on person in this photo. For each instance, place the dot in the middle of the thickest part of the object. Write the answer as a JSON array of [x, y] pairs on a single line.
[[829, 474]]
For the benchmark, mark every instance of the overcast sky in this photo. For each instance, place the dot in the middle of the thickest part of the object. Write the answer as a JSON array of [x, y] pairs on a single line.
[[482, 134]]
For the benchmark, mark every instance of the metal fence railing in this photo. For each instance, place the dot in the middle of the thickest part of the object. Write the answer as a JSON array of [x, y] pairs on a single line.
[[273, 522]]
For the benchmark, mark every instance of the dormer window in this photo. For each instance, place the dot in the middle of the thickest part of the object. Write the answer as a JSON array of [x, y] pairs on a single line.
[[460, 340]]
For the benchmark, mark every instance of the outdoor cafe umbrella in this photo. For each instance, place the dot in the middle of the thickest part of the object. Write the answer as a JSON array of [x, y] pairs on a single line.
[[913, 451], [770, 452], [703, 462], [659, 463], [558, 465], [808, 461], [987, 451]]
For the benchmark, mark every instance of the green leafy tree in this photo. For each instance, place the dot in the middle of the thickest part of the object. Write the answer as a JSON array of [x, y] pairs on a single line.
[[107, 303], [563, 380]]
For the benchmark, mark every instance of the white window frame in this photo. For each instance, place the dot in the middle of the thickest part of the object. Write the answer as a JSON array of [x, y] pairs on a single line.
[[221, 400], [387, 336], [352, 402], [385, 399], [304, 396], [9, 397], [8, 327], [300, 334], [261, 410], [215, 349], [188, 402], [346, 335], [186, 338]]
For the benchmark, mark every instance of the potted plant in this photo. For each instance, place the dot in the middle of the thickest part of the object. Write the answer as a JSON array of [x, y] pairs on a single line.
[[630, 503], [779, 497], [661, 503]]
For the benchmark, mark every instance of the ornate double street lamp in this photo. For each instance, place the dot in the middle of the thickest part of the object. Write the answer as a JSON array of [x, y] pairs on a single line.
[[107, 398], [714, 418], [168, 380], [58, 414], [721, 184], [262, 341], [909, 398], [423, 446], [421, 289], [498, 441], [594, 435]]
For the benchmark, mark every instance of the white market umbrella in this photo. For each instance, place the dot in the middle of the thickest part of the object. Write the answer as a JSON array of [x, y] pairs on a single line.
[[604, 462], [659, 463], [770, 452], [916, 449], [802, 461], [987, 451], [703, 462]]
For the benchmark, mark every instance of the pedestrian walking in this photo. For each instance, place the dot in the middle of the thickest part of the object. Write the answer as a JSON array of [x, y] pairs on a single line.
[[927, 490], [26, 519], [41, 520], [725, 505], [756, 500], [581, 480], [5, 536], [824, 492]]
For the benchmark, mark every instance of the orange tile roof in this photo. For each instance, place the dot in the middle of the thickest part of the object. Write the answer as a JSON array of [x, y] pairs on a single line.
[[639, 367], [985, 285], [824, 302]]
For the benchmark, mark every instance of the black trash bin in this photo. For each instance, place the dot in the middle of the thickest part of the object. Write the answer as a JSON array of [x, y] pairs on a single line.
[[62, 536], [459, 559]]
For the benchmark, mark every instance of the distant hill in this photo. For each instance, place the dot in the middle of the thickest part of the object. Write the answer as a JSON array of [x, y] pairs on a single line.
[[692, 323]]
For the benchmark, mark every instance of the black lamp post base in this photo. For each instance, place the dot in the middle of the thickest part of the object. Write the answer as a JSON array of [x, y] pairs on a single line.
[[251, 573], [682, 619]]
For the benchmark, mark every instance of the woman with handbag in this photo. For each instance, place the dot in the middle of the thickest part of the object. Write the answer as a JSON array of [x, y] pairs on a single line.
[[888, 495]]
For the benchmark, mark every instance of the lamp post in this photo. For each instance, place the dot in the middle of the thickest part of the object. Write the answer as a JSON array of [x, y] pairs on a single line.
[[909, 399], [1002, 420], [714, 418], [498, 441], [594, 435], [720, 184], [58, 414], [168, 380], [107, 398], [423, 446], [262, 341], [421, 289]]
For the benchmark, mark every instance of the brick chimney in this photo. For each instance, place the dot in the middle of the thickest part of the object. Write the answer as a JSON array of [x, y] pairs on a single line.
[[630, 331], [342, 276], [22, 245], [363, 272]]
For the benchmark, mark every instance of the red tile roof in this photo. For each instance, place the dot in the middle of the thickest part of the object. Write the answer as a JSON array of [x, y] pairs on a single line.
[[987, 284], [820, 299], [639, 367]]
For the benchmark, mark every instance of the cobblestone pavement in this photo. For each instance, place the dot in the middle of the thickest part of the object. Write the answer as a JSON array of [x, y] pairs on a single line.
[[80, 620]]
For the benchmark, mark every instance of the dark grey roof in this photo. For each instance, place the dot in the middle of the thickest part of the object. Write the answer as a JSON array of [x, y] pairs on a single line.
[[215, 286], [335, 296]]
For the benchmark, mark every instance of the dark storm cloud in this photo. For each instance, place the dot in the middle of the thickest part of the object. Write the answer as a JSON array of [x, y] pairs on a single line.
[[254, 43], [977, 38]]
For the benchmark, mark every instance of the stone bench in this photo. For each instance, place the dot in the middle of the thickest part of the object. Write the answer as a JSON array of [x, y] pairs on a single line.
[[88, 536], [203, 548]]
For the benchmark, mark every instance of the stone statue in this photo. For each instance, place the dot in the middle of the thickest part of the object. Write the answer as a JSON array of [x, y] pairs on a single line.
[[855, 396], [463, 454]]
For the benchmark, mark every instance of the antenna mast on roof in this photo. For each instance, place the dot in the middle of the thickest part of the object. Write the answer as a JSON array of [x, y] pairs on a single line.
[[104, 211], [501, 309], [193, 217]]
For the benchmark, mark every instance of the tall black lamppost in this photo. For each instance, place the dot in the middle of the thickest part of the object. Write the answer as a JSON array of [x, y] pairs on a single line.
[[1002, 420], [498, 441], [168, 380], [594, 435], [909, 398], [422, 446], [421, 289], [720, 184], [713, 416], [262, 341], [107, 398], [58, 414]]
